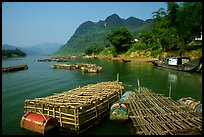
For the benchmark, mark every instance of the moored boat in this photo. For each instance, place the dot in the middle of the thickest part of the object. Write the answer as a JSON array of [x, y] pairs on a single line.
[[126, 60], [180, 64]]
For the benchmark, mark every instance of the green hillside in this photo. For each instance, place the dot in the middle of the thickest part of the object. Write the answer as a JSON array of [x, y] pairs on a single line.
[[94, 33], [12, 53]]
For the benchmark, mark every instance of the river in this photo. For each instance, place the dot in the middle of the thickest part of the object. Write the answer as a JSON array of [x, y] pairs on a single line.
[[40, 80]]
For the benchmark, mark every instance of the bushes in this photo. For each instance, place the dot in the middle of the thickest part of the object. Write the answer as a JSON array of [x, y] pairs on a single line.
[[110, 51], [92, 50], [155, 53]]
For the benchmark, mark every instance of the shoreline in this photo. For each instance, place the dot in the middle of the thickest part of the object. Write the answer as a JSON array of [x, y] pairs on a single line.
[[126, 58]]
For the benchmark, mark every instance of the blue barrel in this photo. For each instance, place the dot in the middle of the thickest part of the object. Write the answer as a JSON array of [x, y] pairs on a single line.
[[125, 96], [118, 110]]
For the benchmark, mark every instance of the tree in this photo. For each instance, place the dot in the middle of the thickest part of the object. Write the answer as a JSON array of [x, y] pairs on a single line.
[[189, 20], [172, 13], [157, 15], [92, 50], [118, 37]]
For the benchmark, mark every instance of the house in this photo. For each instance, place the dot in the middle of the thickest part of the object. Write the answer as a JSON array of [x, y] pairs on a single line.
[[199, 38]]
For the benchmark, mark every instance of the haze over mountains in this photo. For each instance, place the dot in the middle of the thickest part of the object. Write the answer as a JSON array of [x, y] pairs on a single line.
[[94, 33], [87, 34], [41, 49]]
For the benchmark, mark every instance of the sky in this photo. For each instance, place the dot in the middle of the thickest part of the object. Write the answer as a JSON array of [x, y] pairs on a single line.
[[33, 23]]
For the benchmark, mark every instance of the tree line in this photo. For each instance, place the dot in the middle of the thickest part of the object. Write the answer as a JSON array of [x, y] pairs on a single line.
[[13, 53], [172, 30]]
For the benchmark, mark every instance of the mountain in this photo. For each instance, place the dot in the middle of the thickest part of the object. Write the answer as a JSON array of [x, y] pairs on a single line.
[[8, 47], [94, 33], [41, 49], [8, 53]]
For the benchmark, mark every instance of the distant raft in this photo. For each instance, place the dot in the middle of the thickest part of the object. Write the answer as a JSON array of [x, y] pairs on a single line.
[[85, 68], [14, 68]]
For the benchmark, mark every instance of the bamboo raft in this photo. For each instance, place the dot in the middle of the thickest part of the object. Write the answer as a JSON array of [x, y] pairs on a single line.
[[14, 68], [154, 114], [84, 67], [57, 59], [78, 109]]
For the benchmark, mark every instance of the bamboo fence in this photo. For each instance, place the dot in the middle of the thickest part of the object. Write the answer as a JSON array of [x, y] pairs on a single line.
[[78, 109]]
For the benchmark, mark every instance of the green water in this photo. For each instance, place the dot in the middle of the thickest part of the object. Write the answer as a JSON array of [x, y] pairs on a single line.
[[40, 80]]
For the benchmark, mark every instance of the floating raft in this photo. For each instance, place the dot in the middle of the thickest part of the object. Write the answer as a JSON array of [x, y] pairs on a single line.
[[61, 66], [154, 114], [78, 109], [85, 68], [14, 68], [57, 59]]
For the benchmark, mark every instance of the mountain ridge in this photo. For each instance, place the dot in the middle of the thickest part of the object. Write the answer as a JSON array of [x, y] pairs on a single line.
[[39, 49], [94, 33]]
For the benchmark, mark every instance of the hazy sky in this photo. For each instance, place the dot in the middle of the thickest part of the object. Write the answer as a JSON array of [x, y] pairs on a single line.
[[32, 23]]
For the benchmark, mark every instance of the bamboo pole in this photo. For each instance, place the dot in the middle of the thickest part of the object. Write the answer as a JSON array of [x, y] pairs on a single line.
[[60, 116], [117, 77]]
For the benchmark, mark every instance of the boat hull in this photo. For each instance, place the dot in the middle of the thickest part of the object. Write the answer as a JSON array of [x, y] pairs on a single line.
[[190, 66]]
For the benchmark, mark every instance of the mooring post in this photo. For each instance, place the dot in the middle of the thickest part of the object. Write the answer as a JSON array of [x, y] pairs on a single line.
[[170, 90], [138, 84], [117, 77]]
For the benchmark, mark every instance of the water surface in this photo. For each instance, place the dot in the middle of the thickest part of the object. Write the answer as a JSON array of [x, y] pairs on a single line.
[[40, 80]]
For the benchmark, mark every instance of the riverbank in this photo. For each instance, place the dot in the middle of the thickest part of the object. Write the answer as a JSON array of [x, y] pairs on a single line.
[[120, 57]]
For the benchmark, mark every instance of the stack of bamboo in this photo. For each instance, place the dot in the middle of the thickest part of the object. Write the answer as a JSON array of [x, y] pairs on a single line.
[[78, 109]]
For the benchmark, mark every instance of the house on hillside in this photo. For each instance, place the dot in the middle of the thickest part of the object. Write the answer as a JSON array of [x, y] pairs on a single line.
[[134, 40], [199, 38]]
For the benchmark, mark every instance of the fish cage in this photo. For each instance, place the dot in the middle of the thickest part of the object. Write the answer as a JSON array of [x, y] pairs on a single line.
[[78, 109]]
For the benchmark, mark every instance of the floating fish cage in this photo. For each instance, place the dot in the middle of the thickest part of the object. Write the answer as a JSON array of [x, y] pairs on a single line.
[[85, 68], [78, 109], [61, 66]]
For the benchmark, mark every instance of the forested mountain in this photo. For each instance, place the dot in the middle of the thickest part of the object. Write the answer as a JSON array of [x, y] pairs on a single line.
[[94, 33], [12, 53]]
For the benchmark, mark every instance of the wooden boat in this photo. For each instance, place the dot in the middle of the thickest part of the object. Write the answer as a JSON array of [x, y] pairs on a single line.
[[180, 64], [126, 60]]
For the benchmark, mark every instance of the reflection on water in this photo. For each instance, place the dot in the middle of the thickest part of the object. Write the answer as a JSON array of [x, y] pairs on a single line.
[[172, 78]]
